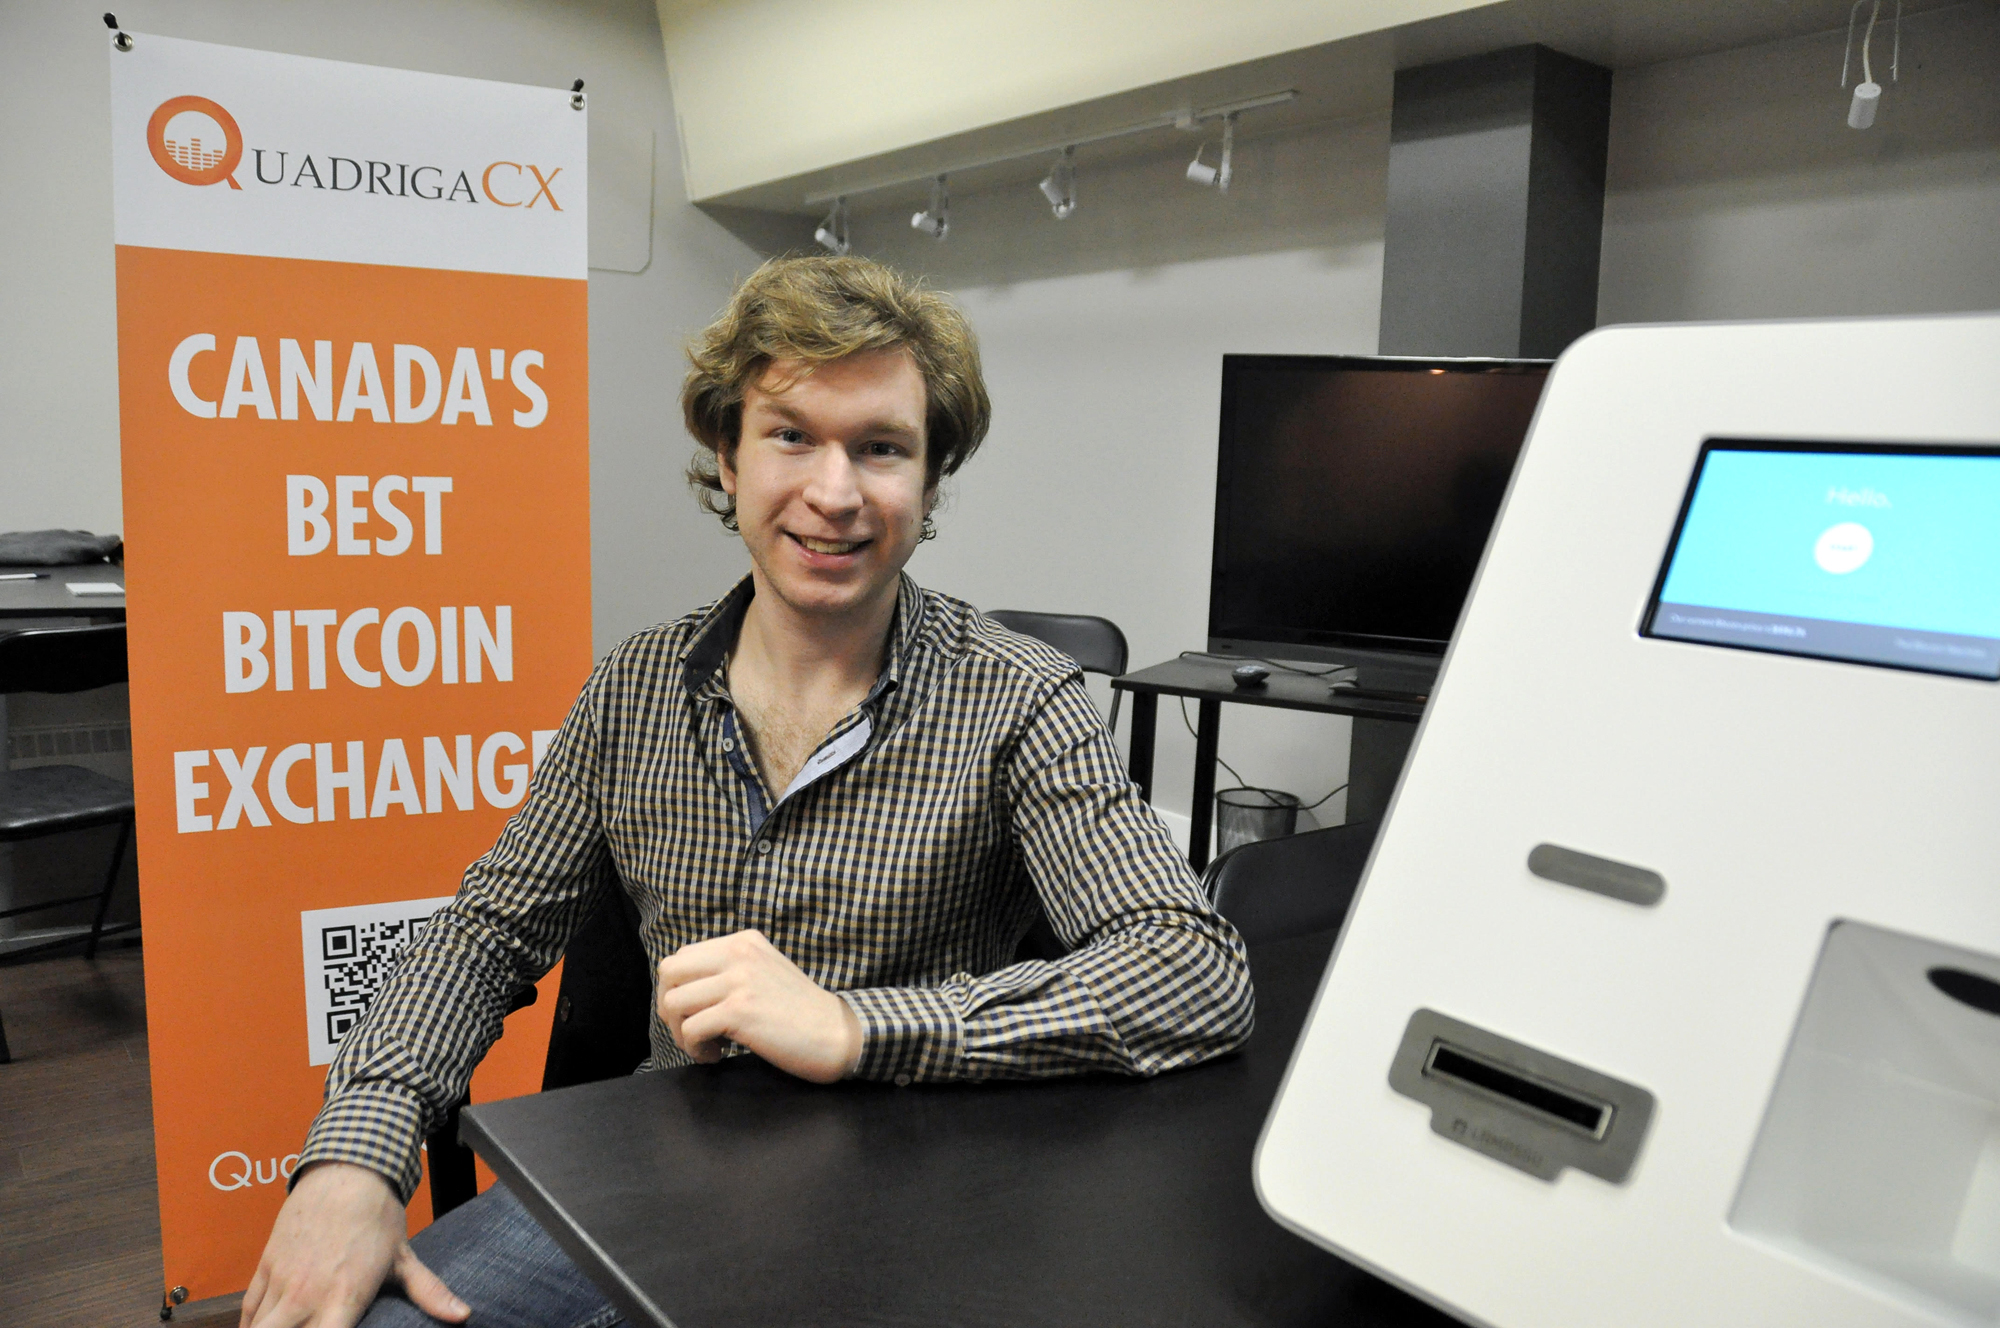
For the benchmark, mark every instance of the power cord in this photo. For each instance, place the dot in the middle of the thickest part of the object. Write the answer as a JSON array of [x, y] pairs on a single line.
[[1311, 806], [1197, 737]]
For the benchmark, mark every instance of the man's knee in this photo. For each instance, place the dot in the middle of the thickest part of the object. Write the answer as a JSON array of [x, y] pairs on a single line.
[[497, 1259], [391, 1310]]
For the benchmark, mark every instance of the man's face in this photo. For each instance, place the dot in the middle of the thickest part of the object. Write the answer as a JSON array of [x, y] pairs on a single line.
[[828, 479]]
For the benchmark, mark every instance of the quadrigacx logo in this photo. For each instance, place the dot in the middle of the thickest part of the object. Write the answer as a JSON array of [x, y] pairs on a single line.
[[198, 142]]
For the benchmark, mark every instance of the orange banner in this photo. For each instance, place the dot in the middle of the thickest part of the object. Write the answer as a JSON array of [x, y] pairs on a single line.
[[357, 523]]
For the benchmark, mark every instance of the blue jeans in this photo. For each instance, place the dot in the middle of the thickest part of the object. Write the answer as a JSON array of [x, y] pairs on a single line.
[[498, 1260]]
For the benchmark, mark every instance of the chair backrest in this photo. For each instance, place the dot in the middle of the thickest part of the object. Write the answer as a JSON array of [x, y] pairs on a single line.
[[62, 659], [1279, 888], [603, 1021], [1095, 644]]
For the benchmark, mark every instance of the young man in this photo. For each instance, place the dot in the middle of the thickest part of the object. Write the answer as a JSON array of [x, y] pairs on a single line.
[[837, 800]]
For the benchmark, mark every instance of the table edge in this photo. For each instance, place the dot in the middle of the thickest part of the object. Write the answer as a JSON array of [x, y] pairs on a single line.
[[634, 1304]]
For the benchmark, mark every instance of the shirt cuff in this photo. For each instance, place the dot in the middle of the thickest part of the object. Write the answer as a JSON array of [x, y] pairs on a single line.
[[907, 1034], [377, 1128]]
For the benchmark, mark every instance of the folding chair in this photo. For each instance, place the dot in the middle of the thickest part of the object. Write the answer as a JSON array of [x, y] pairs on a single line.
[[55, 799]]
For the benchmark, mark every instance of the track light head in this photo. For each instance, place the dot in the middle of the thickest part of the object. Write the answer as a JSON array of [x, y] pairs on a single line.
[[1216, 176], [832, 233], [1059, 185], [935, 220]]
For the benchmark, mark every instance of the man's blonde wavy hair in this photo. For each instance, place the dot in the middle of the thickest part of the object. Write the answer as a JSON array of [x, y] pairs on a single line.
[[816, 310]]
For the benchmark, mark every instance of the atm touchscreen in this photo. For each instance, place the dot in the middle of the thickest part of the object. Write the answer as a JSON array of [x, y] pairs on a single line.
[[1871, 554]]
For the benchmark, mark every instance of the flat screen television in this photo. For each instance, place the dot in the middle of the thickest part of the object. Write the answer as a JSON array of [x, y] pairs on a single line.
[[1354, 495]]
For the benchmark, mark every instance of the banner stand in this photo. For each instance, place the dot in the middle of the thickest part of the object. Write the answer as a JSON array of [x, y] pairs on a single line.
[[353, 396]]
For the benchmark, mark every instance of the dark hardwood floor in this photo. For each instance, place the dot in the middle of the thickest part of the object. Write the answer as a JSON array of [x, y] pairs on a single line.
[[79, 1211]]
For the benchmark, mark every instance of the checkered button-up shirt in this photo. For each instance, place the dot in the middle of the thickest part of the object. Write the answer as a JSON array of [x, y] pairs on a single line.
[[973, 786]]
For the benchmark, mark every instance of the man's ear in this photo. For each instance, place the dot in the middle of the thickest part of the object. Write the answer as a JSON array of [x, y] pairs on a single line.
[[725, 469]]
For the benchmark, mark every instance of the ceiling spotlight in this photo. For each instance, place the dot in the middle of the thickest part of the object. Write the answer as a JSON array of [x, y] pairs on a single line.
[[1868, 93], [1059, 185], [832, 233], [1216, 176], [935, 220]]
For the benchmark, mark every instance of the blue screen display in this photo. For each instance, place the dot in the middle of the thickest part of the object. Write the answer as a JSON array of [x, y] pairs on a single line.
[[1886, 556]]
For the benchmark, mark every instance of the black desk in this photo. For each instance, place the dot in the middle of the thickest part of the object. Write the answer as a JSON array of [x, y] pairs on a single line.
[[733, 1195], [1382, 729], [49, 597]]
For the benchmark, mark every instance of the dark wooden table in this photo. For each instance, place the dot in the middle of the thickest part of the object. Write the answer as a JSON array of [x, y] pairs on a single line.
[[49, 596], [732, 1195], [1382, 728]]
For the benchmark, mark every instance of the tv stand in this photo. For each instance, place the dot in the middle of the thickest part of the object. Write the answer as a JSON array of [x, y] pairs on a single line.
[[1383, 728]]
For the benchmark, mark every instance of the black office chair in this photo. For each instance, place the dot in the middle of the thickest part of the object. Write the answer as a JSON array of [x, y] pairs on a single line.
[[602, 1030], [53, 799], [1095, 644], [1278, 888]]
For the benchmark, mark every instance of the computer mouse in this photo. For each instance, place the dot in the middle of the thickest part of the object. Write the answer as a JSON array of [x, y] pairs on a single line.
[[1249, 675]]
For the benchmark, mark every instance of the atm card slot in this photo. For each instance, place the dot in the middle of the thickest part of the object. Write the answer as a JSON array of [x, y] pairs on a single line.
[[1579, 1113], [1518, 1104]]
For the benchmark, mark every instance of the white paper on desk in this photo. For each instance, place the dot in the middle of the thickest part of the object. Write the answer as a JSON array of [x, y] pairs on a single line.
[[95, 588]]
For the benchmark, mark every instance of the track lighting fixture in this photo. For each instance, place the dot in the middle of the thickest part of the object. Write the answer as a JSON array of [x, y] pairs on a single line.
[[1059, 185], [1868, 93], [1216, 176], [935, 220], [832, 233]]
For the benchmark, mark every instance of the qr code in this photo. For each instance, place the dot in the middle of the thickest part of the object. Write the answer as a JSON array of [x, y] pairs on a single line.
[[348, 955]]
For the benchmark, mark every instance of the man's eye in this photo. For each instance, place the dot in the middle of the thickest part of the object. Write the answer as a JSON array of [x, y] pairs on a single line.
[[791, 436], [885, 449]]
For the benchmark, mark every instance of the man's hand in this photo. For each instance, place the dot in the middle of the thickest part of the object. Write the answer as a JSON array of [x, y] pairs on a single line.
[[739, 988], [339, 1236]]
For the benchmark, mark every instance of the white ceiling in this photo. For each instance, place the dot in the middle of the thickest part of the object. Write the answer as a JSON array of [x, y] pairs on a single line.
[[1335, 81]]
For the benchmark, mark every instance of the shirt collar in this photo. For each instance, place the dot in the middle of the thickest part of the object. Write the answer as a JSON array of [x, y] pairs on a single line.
[[716, 630], [903, 635]]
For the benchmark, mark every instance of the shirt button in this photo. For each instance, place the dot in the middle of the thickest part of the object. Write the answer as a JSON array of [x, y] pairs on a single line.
[[729, 744], [902, 1081], [763, 846]]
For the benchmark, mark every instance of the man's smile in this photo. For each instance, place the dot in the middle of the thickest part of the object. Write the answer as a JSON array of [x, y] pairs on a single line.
[[830, 546]]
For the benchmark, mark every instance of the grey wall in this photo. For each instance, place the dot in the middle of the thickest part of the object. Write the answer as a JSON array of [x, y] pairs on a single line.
[[1736, 190]]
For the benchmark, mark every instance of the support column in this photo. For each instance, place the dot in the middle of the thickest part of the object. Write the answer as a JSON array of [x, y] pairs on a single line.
[[1496, 218], [1374, 762], [1496, 204]]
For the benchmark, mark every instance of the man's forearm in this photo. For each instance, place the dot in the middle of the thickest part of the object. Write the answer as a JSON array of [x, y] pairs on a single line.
[[1159, 979], [1156, 995], [411, 1058]]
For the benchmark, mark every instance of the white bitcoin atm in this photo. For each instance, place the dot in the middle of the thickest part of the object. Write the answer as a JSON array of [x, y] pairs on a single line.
[[1672, 993]]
